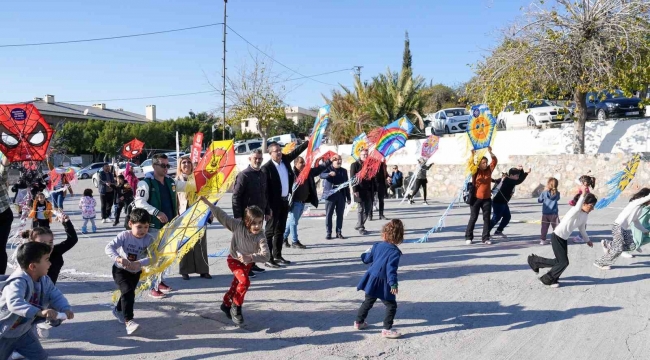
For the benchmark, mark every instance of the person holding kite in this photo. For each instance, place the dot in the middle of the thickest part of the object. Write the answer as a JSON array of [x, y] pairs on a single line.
[[279, 179], [362, 193], [421, 180], [248, 245], [622, 230], [381, 186], [157, 196], [481, 197], [335, 202]]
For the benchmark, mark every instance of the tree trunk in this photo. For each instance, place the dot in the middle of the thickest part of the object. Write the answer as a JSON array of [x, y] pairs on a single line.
[[580, 99]]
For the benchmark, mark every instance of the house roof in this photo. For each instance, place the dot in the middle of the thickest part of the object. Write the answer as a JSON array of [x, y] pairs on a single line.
[[77, 111]]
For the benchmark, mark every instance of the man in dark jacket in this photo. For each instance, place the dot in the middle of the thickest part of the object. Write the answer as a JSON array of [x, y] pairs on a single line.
[[380, 189], [279, 179], [250, 189], [505, 188], [106, 192], [362, 193], [305, 193], [332, 177]]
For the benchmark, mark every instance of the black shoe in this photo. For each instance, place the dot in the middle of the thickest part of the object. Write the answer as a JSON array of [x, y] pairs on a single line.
[[370, 218], [328, 237], [251, 274], [340, 236], [532, 266], [115, 224], [382, 217], [282, 261], [206, 276], [257, 268], [357, 228], [286, 243], [271, 264], [299, 245], [236, 316], [226, 310], [363, 232], [185, 276]]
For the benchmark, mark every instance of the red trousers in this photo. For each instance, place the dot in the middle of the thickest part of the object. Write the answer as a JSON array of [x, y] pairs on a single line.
[[240, 282]]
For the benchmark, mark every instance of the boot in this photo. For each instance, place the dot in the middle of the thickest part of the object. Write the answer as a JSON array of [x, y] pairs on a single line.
[[84, 230], [235, 313], [94, 229]]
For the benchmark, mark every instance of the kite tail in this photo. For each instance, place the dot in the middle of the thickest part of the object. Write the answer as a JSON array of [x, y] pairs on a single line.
[[371, 166], [351, 182], [613, 191]]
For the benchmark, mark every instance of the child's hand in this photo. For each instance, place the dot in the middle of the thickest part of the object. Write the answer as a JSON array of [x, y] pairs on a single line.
[[394, 291], [135, 266], [590, 244], [124, 262], [70, 314], [49, 314]]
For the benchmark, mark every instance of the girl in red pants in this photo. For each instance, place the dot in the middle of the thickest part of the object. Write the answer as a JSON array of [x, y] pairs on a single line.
[[248, 246]]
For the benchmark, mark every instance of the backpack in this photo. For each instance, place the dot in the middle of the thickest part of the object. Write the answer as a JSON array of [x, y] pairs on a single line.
[[469, 193]]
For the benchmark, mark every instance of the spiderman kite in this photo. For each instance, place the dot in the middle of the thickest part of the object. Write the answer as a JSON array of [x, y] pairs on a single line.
[[132, 149], [24, 134]]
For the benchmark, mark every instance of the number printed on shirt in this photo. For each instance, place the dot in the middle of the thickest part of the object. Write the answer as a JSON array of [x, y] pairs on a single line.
[[142, 193]]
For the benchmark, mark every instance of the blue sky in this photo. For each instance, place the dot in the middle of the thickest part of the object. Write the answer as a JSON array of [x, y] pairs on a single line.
[[308, 36]]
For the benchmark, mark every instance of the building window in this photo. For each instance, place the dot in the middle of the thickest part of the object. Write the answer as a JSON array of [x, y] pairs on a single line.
[[246, 123]]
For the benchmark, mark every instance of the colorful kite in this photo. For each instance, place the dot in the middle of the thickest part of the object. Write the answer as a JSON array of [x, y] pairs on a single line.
[[481, 127], [197, 146], [315, 140], [620, 182], [217, 174], [57, 175], [360, 142], [430, 146], [24, 134], [132, 149], [288, 148]]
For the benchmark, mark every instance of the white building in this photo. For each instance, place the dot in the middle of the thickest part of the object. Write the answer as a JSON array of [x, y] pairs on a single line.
[[293, 113]]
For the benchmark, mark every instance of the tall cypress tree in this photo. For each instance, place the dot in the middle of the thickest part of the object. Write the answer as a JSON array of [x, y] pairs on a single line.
[[407, 59]]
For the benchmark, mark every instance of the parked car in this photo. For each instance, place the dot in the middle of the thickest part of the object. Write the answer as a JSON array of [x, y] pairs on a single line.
[[448, 121], [147, 166], [90, 170], [283, 139], [245, 147], [533, 114], [137, 171], [605, 104]]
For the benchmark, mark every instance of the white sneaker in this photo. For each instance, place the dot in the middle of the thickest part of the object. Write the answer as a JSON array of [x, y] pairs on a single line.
[[16, 356], [468, 242], [605, 267], [119, 315], [627, 255], [487, 242], [542, 242], [105, 221], [43, 330], [555, 285], [131, 327]]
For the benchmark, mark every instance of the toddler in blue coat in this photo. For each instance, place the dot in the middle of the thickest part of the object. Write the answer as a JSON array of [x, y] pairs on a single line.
[[380, 281]]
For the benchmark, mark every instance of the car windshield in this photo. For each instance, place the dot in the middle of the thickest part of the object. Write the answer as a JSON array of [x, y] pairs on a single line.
[[613, 95], [456, 112], [147, 162], [538, 103]]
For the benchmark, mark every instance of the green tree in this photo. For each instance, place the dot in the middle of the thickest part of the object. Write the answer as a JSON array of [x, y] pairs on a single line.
[[407, 59], [570, 47], [282, 126], [439, 96], [111, 138], [350, 112], [396, 94]]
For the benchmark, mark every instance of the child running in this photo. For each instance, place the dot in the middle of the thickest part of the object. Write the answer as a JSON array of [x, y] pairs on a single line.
[[41, 212], [129, 252], [44, 235], [380, 281], [500, 208], [621, 231], [549, 199], [576, 217], [24, 296], [87, 205], [248, 246]]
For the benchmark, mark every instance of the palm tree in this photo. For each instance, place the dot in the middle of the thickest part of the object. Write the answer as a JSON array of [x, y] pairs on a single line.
[[396, 94]]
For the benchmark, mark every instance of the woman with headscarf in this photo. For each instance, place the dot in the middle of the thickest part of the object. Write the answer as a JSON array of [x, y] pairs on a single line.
[[195, 261]]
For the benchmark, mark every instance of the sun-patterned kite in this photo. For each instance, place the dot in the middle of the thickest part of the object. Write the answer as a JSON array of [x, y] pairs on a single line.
[[360, 142], [481, 127]]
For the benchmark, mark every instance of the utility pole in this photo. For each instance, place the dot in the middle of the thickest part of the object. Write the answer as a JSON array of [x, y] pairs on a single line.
[[357, 71], [223, 129]]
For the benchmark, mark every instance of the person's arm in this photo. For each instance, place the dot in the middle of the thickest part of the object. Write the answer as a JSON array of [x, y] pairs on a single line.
[[347, 188], [147, 259], [297, 151], [522, 176], [71, 238], [639, 225], [493, 163], [239, 189], [391, 268], [367, 257], [542, 197], [141, 198], [111, 247], [575, 210], [583, 232], [263, 254], [325, 174], [427, 167], [180, 185], [15, 292], [57, 300], [318, 170], [224, 219]]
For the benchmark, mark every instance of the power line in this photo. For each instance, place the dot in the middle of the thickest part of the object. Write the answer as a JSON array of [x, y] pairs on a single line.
[[111, 37], [276, 61]]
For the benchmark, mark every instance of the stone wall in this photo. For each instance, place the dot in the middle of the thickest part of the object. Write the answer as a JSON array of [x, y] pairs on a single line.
[[445, 181]]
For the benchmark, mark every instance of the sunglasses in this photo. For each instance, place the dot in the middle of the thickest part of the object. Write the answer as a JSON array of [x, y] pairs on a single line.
[[164, 166]]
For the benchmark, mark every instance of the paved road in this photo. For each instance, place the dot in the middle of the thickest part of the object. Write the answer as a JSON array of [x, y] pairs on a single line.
[[455, 301]]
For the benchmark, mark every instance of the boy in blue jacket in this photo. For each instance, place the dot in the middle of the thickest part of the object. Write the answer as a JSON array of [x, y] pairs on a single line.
[[380, 281], [29, 296]]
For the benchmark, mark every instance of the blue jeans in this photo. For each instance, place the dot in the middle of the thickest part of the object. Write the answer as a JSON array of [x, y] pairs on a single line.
[[57, 199], [27, 345], [292, 221], [500, 212]]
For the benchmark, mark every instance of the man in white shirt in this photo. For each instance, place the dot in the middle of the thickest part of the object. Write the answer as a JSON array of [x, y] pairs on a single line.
[[279, 180], [575, 218]]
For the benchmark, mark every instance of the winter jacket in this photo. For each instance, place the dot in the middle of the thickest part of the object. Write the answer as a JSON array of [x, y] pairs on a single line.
[[147, 196], [329, 182], [549, 202], [250, 189], [306, 192], [273, 193], [87, 205], [382, 274], [482, 179], [507, 188], [47, 212], [364, 188]]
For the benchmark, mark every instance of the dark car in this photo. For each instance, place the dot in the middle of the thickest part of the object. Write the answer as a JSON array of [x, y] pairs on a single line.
[[605, 104]]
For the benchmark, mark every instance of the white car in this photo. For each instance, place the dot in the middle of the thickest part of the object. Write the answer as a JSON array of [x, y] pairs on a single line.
[[147, 166], [533, 114], [137, 171], [448, 121]]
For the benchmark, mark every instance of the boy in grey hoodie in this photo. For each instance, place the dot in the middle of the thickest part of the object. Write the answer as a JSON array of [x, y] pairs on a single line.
[[27, 295]]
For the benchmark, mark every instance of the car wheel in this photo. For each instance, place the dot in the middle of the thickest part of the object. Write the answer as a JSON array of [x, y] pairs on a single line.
[[447, 130], [531, 122], [85, 176], [602, 115]]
